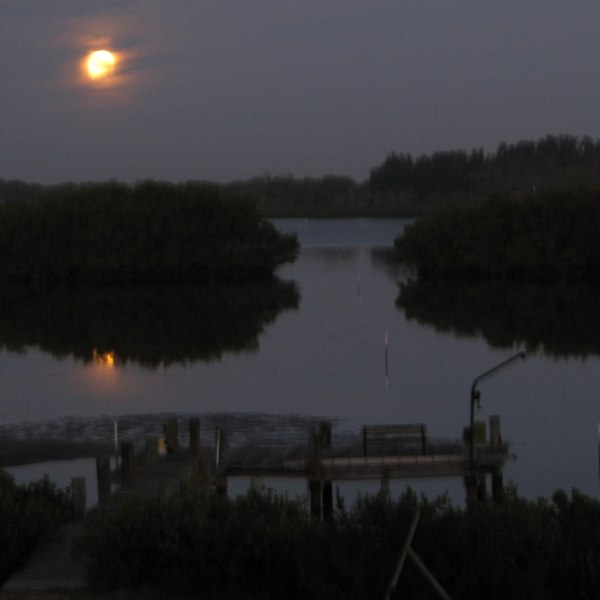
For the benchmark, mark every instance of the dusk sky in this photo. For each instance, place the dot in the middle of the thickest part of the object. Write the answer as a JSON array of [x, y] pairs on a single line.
[[227, 90]]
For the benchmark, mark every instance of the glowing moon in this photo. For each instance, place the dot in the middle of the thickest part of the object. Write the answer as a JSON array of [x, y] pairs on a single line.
[[100, 64]]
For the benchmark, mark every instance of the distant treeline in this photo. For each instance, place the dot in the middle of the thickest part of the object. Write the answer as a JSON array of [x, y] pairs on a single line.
[[403, 186], [406, 186], [516, 170], [544, 236], [149, 231]]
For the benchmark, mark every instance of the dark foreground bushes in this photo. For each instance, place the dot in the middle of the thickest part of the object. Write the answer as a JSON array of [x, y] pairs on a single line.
[[27, 514], [264, 546]]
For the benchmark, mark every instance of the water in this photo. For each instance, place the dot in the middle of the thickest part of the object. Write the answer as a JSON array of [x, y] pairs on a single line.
[[325, 356]]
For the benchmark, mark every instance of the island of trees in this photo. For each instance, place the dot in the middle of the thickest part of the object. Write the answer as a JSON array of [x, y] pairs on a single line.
[[543, 236], [146, 232]]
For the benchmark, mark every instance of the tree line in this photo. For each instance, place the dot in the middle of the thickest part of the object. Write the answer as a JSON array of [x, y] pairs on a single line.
[[404, 186], [550, 163], [148, 231]]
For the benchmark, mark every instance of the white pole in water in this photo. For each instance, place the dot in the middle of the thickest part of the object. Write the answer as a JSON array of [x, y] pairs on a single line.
[[386, 359], [598, 448], [116, 440]]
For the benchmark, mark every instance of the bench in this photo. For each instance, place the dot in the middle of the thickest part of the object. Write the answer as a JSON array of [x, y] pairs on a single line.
[[416, 431]]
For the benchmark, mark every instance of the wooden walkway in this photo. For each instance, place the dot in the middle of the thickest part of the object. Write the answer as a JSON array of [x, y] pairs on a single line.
[[52, 566], [378, 467]]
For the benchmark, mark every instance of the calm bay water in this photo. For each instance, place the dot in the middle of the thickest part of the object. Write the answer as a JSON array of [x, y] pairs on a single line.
[[324, 355]]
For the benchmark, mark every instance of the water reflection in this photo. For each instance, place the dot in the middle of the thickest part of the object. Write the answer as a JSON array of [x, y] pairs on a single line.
[[559, 319], [153, 326]]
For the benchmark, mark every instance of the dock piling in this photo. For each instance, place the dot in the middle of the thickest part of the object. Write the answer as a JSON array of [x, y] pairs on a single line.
[[171, 435], [79, 496], [127, 463], [194, 425], [103, 477]]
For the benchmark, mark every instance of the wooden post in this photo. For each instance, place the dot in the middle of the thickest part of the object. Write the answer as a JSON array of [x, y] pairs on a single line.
[[497, 486], [203, 468], [471, 485], [466, 437], [127, 463], [481, 488], [103, 477], [316, 498], [479, 432], [151, 449], [79, 497], [598, 432], [195, 434], [171, 440], [327, 501], [324, 435], [116, 442]]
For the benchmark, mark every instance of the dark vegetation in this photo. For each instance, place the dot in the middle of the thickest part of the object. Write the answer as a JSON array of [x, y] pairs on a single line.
[[146, 232], [150, 324], [28, 513], [404, 186], [444, 179], [543, 236], [263, 546]]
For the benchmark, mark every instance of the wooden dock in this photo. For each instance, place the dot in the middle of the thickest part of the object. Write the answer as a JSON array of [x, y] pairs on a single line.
[[155, 474]]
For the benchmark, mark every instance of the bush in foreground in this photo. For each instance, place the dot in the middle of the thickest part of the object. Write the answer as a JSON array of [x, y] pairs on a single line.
[[28, 513], [264, 546]]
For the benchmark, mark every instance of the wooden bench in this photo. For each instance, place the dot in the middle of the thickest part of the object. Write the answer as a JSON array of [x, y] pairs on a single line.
[[413, 431]]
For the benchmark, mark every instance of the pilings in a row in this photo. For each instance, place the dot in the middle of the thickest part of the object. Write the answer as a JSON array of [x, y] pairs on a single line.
[[320, 490], [154, 447], [475, 482]]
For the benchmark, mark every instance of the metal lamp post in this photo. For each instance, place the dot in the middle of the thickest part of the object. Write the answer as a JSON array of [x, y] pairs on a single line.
[[475, 396]]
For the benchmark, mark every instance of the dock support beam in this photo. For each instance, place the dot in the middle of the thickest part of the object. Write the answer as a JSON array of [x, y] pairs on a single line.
[[320, 490], [195, 434], [103, 477], [171, 435], [126, 463], [79, 496]]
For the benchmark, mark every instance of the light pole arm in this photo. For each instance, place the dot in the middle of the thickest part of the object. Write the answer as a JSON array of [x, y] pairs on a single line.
[[475, 396]]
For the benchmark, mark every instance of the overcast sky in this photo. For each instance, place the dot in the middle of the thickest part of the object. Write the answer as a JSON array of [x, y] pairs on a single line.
[[232, 89]]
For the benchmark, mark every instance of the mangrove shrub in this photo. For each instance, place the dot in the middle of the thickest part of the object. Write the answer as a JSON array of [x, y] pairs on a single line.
[[547, 236], [149, 231], [264, 546], [28, 513]]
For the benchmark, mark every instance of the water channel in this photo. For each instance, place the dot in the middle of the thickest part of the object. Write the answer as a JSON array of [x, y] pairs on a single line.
[[344, 333]]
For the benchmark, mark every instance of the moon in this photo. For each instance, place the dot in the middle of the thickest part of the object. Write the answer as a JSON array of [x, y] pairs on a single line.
[[100, 64]]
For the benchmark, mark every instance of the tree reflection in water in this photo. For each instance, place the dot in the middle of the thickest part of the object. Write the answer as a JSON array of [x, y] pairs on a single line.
[[152, 325], [559, 319]]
